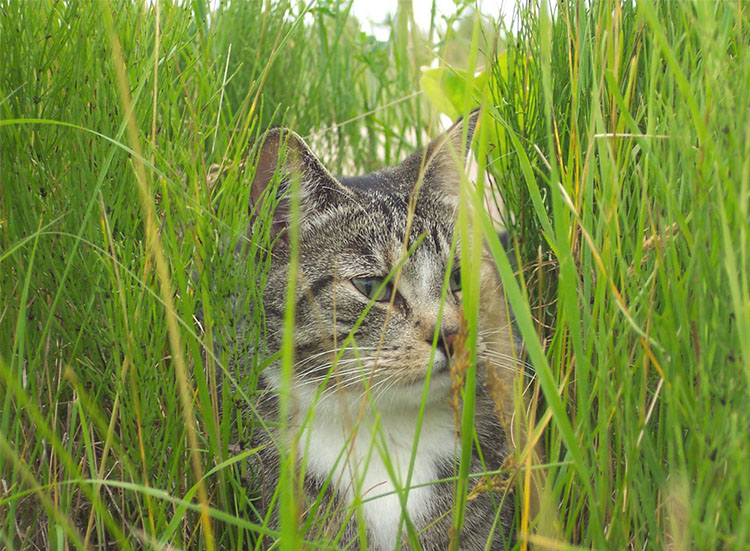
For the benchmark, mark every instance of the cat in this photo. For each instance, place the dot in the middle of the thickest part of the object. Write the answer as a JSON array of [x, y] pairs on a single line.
[[353, 419]]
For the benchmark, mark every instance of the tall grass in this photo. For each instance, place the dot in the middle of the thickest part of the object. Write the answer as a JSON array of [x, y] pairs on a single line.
[[631, 182], [624, 171]]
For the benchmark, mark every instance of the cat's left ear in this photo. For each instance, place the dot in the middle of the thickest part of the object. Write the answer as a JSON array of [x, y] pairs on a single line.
[[446, 157]]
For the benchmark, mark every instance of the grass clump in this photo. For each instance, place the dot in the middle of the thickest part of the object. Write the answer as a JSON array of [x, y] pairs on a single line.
[[638, 164], [623, 170]]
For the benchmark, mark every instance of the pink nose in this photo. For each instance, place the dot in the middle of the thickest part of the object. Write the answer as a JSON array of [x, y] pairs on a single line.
[[449, 342]]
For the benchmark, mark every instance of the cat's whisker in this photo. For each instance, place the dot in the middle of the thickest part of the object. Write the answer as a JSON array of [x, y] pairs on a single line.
[[333, 389], [514, 359], [332, 372], [333, 379], [311, 358], [355, 382], [501, 330], [348, 376], [528, 376], [381, 387], [340, 368], [507, 359]]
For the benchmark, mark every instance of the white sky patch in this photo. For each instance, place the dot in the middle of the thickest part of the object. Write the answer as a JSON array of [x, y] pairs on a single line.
[[372, 14]]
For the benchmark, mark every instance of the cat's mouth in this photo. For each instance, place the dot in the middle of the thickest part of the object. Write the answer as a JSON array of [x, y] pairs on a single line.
[[440, 365]]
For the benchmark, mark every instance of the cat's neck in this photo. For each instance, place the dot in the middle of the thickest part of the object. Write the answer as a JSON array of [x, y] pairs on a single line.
[[373, 458]]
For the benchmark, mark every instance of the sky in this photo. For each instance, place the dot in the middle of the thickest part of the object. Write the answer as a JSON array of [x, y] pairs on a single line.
[[371, 12]]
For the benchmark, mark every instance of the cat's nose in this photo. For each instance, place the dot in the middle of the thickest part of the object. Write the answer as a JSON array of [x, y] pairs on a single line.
[[449, 342], [446, 342]]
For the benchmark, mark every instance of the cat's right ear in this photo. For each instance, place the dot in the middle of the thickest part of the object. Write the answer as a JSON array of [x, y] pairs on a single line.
[[283, 154]]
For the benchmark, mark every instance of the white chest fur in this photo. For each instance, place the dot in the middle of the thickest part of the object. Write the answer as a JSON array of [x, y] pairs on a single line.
[[370, 461]]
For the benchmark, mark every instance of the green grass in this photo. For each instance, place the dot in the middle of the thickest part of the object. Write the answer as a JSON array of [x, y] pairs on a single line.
[[624, 168]]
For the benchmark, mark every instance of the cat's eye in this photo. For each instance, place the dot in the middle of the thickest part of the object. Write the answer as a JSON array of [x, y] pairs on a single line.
[[373, 288], [455, 281]]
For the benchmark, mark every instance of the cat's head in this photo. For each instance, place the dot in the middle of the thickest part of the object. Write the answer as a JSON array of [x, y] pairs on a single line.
[[374, 254]]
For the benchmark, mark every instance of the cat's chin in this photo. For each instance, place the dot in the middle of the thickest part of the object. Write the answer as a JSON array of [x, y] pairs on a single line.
[[408, 395]]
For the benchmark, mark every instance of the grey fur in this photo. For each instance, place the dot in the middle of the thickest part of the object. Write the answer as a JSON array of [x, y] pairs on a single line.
[[356, 227]]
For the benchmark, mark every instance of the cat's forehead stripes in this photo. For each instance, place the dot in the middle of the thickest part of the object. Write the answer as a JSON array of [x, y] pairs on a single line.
[[378, 237], [385, 200]]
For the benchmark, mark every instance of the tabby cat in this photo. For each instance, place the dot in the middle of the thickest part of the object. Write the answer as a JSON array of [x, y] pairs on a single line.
[[373, 457]]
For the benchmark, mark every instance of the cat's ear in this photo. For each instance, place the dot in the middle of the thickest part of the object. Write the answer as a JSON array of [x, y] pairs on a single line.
[[457, 139], [283, 153], [446, 157]]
